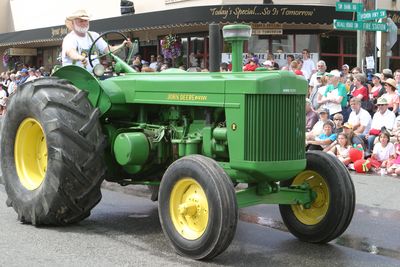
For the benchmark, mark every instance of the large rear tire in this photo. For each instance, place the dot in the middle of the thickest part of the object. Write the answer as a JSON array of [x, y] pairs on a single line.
[[331, 212], [197, 207], [52, 153]]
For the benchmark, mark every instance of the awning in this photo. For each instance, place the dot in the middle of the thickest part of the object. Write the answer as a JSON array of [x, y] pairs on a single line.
[[190, 16]]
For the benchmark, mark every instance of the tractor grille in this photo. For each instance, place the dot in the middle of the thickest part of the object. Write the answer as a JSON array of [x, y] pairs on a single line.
[[275, 127]]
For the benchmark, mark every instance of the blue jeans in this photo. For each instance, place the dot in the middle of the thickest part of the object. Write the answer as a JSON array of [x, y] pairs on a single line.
[[370, 143]]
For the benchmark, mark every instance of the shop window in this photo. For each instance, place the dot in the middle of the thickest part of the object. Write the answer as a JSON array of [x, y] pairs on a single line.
[[282, 44], [330, 44], [256, 44], [196, 52], [306, 41], [350, 45], [351, 61]]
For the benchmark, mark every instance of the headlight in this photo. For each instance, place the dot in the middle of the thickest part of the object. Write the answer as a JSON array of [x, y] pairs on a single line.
[[98, 70]]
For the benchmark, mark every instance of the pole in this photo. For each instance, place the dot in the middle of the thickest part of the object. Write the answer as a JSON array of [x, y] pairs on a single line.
[[214, 44], [384, 62]]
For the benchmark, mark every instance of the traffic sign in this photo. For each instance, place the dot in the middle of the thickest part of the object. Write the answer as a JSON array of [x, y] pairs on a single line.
[[371, 15], [348, 25], [349, 7], [375, 26]]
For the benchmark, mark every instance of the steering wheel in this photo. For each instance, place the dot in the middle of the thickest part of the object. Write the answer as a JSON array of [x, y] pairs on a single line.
[[104, 36]]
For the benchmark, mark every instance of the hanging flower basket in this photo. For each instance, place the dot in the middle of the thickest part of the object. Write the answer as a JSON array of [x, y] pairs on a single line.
[[171, 46], [6, 59], [9, 61]]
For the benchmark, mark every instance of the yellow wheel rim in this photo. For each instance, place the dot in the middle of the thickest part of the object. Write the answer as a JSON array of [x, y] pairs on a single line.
[[30, 154], [320, 205], [189, 208]]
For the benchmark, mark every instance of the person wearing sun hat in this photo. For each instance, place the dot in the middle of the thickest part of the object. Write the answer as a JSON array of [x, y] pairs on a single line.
[[382, 118], [391, 95], [77, 42]]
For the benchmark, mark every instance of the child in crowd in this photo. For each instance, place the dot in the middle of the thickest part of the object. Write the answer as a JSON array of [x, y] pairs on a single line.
[[341, 149], [383, 152], [394, 164]]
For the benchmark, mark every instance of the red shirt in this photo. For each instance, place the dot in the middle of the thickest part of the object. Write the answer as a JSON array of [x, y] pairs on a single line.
[[298, 72], [250, 67], [361, 91]]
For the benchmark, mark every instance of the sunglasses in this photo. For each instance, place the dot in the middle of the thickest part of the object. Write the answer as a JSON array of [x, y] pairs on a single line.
[[381, 105]]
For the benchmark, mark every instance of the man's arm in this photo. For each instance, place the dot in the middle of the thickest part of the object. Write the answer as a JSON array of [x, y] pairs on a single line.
[[74, 55]]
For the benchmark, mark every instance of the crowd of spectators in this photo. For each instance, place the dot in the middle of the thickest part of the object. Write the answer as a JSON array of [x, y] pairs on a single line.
[[345, 104], [10, 80]]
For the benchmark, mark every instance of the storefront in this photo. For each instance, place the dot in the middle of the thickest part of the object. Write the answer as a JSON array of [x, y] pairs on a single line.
[[283, 28]]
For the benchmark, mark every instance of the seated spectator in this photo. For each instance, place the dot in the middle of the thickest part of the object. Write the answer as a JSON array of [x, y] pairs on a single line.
[[377, 90], [251, 66], [323, 140], [341, 149], [338, 121], [360, 91], [383, 152], [359, 118], [382, 118], [391, 96], [394, 164], [318, 127], [311, 116]]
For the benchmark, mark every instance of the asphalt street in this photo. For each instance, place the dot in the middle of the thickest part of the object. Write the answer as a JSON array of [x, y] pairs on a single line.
[[124, 230]]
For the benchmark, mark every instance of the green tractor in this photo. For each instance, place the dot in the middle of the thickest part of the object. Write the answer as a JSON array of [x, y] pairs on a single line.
[[189, 136]]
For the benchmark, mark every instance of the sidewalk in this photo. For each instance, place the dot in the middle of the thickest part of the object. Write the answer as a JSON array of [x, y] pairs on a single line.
[[377, 191]]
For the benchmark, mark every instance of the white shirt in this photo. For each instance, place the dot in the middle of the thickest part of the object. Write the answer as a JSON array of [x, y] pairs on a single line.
[[308, 67], [82, 46], [363, 118], [386, 119], [383, 153], [3, 97]]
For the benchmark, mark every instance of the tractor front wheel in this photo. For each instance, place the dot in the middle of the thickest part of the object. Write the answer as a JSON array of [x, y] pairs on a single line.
[[197, 207], [51, 153], [331, 212]]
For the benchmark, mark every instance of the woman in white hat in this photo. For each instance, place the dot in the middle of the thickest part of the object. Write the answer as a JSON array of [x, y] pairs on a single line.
[[77, 42], [391, 96]]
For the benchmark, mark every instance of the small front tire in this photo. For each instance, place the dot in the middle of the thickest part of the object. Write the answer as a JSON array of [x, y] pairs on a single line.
[[197, 207]]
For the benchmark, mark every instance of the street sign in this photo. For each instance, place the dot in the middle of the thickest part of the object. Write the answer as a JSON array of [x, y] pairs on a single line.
[[347, 25], [350, 25], [349, 7], [375, 27], [371, 15]]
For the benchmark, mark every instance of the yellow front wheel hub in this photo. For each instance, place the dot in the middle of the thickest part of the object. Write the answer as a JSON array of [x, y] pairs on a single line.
[[319, 207], [189, 208], [30, 154]]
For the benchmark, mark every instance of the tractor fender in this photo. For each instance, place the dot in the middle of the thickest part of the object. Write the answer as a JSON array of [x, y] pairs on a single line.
[[85, 81]]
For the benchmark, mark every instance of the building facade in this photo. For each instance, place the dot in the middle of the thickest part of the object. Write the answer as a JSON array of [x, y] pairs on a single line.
[[279, 27]]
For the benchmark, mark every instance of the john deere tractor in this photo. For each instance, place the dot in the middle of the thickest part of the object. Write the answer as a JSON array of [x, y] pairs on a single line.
[[189, 136]]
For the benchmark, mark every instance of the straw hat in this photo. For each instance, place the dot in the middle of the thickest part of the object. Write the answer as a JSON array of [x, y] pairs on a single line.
[[79, 14], [391, 82]]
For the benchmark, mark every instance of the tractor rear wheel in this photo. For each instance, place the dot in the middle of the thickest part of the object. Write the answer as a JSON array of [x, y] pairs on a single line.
[[331, 212], [197, 207], [51, 153]]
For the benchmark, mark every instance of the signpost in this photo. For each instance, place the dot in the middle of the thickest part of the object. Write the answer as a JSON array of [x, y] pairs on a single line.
[[371, 15], [350, 25], [349, 7], [366, 21]]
